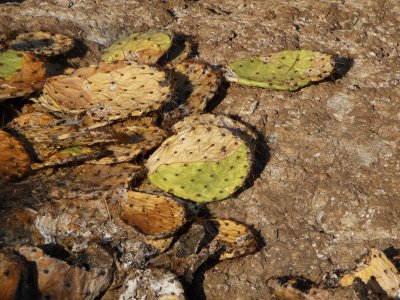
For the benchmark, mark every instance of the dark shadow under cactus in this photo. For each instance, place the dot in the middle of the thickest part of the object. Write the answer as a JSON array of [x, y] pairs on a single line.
[[195, 289], [220, 95], [178, 46], [342, 66]]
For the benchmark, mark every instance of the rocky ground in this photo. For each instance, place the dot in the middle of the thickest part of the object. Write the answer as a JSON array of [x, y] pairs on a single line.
[[326, 186]]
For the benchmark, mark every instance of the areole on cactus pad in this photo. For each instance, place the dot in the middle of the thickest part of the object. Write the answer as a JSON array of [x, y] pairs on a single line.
[[288, 70], [202, 164], [144, 47]]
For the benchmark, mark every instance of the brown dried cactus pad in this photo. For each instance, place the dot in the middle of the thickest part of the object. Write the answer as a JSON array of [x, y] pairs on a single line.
[[43, 43], [196, 84], [236, 239], [156, 215], [20, 74], [59, 280], [13, 277], [107, 91], [33, 119], [62, 142], [14, 160]]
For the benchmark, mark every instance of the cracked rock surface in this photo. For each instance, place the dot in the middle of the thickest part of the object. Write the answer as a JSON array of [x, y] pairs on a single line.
[[326, 186]]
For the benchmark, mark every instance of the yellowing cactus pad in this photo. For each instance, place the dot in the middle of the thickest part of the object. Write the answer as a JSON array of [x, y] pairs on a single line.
[[202, 164], [156, 215], [144, 47], [237, 239], [107, 91], [20, 74], [43, 43], [287, 70], [378, 270]]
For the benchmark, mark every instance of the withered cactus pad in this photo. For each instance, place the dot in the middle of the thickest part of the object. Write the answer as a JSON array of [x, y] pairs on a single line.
[[107, 91], [14, 160], [20, 74], [43, 43]]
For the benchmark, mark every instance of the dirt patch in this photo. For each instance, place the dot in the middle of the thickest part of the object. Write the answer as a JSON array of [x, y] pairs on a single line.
[[327, 186]]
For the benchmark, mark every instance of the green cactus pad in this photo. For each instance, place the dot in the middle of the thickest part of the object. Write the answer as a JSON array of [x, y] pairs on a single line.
[[204, 181], [287, 70], [144, 47], [10, 63], [202, 164]]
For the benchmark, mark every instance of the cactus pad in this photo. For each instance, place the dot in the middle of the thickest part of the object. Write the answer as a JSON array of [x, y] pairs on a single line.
[[71, 154], [20, 74], [57, 279], [146, 47], [287, 70], [236, 239], [14, 160], [107, 91], [33, 119], [12, 281], [156, 215], [202, 164], [196, 84], [378, 269], [58, 143], [43, 43]]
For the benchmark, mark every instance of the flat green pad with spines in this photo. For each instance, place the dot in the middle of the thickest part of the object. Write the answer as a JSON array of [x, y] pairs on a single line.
[[204, 181], [152, 44], [288, 70], [10, 63]]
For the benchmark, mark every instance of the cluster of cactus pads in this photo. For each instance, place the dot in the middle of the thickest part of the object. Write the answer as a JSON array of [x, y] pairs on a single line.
[[84, 139]]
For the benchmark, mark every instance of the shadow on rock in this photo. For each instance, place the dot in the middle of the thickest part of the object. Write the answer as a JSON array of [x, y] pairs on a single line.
[[219, 96], [341, 67], [261, 156]]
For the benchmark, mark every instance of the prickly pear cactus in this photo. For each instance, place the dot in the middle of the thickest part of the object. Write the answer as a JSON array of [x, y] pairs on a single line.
[[67, 155], [287, 70], [107, 91], [59, 280], [20, 74], [143, 47], [156, 215], [237, 239], [14, 160], [202, 164], [196, 84], [43, 43], [376, 265], [33, 119], [58, 142]]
